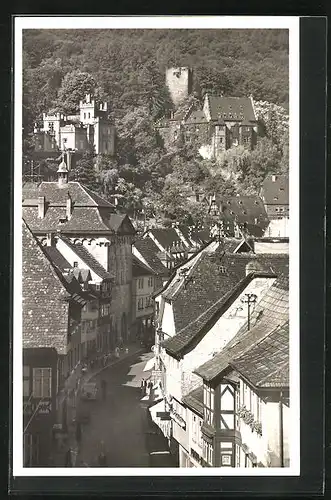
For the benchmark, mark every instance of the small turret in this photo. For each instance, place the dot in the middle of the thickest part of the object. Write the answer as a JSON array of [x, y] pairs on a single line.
[[62, 174]]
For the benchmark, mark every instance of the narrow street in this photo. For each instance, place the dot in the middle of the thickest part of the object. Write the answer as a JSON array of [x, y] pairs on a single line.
[[120, 425]]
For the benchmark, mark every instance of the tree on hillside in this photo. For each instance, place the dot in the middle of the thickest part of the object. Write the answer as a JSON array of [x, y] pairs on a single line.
[[75, 85], [84, 171], [211, 81], [264, 159]]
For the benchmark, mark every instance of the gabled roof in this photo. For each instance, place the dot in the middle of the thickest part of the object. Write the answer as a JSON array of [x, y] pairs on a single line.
[[242, 209], [232, 109], [266, 363], [275, 189], [194, 400], [57, 258], [119, 223], [188, 337], [80, 194], [139, 269], [90, 213], [87, 257], [270, 315], [44, 294], [213, 276], [196, 116], [166, 237], [148, 250]]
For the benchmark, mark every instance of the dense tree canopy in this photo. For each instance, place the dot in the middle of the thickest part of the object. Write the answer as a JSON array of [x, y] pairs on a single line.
[[127, 69]]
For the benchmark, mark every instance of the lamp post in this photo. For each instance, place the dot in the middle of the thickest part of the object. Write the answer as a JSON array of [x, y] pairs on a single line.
[[249, 299]]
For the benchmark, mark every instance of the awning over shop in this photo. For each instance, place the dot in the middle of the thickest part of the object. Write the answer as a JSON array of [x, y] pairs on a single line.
[[150, 364]]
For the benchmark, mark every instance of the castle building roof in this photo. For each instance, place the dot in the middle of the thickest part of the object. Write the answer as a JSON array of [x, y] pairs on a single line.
[[232, 109]]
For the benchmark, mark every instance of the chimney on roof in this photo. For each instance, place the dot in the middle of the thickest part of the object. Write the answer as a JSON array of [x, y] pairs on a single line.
[[50, 240], [41, 207], [273, 178], [69, 206]]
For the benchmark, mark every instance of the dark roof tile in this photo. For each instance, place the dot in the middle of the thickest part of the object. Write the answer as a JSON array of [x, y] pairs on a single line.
[[275, 189], [270, 315], [57, 258], [232, 109], [139, 269], [88, 258], [148, 250], [194, 400]]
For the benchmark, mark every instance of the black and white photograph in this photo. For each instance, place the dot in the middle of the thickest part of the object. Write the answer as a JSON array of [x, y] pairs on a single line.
[[156, 312]]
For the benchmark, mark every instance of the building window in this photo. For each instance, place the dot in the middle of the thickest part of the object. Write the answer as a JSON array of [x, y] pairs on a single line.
[[208, 397], [26, 381], [89, 115], [150, 282], [208, 452], [42, 382], [140, 304], [141, 283], [51, 126], [84, 116], [221, 140]]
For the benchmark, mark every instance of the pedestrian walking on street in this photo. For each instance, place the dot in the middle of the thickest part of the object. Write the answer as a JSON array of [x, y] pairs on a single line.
[[143, 387], [78, 432], [102, 459], [68, 458], [104, 389]]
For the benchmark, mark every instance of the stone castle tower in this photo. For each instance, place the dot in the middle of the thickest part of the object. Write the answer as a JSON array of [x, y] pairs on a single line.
[[179, 82]]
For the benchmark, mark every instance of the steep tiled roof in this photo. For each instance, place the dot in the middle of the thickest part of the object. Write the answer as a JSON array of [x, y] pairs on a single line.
[[139, 269], [119, 223], [57, 258], [265, 364], [90, 213], [275, 190], [209, 282], [231, 109], [270, 315], [83, 220], [194, 400], [45, 311], [148, 250], [196, 116], [166, 237], [81, 195], [243, 209], [88, 258], [187, 338]]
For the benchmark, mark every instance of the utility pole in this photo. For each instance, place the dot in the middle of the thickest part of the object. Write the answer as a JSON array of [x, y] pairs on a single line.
[[249, 299]]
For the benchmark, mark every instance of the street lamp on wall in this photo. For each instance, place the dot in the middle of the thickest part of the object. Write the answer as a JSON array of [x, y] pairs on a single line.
[[250, 300]]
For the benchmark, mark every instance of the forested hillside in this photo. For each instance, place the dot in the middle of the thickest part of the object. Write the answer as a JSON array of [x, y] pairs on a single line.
[[127, 68]]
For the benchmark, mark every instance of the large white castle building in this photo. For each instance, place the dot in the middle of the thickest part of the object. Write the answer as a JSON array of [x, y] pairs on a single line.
[[59, 132]]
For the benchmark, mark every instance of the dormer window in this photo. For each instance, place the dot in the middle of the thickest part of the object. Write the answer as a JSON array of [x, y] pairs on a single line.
[[240, 202], [62, 220], [75, 264]]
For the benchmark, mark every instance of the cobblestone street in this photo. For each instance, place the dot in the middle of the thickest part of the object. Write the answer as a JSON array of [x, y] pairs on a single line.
[[119, 425]]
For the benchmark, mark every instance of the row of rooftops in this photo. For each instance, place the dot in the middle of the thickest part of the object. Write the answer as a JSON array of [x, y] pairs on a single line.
[[260, 355], [200, 294]]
